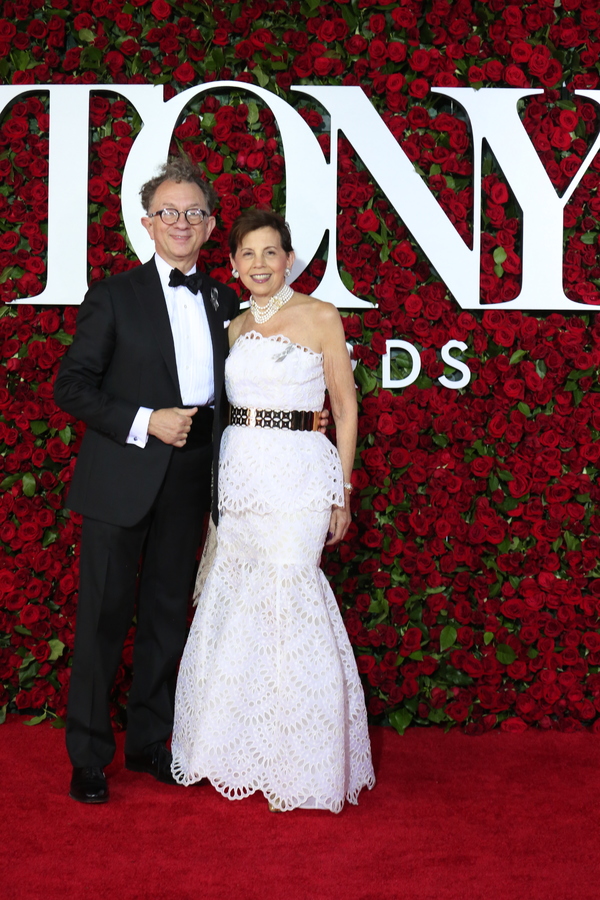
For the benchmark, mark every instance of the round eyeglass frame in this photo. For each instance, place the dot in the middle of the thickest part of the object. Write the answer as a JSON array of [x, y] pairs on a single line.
[[195, 211]]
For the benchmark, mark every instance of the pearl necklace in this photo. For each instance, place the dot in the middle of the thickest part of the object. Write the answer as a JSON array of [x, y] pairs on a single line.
[[262, 314]]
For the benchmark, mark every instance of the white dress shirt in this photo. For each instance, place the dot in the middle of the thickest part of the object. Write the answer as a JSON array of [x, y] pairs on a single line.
[[193, 350]]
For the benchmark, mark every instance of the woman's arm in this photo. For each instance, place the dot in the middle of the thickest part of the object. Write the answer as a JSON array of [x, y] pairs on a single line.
[[342, 392]]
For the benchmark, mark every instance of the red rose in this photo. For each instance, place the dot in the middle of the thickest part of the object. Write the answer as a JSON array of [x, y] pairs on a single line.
[[482, 466], [377, 51], [515, 76], [411, 641], [419, 88], [185, 73], [404, 254], [514, 725], [457, 711], [553, 73], [367, 221], [365, 664], [29, 615], [591, 640], [9, 240], [160, 9]]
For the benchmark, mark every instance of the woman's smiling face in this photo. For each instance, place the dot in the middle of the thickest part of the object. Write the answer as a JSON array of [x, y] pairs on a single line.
[[261, 261]]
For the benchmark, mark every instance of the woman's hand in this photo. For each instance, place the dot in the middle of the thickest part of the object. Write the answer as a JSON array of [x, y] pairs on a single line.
[[338, 524]]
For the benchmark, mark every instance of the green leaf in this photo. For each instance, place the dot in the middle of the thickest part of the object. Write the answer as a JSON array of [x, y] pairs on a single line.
[[252, 113], [448, 673], [348, 17], [36, 719], [588, 238], [38, 427], [262, 78], [517, 356], [65, 434], [56, 647], [499, 255], [21, 59], [505, 654], [347, 279], [50, 535], [571, 541], [523, 408], [365, 378], [3, 713], [505, 475], [447, 637], [400, 719], [91, 58], [208, 121], [488, 637], [63, 338], [8, 482], [84, 34], [29, 484]]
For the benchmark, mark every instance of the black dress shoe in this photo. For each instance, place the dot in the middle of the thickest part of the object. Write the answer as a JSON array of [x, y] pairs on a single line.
[[88, 785], [156, 761]]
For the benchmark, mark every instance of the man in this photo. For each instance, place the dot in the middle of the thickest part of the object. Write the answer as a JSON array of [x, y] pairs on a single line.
[[145, 372]]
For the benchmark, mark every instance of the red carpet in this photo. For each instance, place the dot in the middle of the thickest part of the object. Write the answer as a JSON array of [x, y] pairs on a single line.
[[451, 817]]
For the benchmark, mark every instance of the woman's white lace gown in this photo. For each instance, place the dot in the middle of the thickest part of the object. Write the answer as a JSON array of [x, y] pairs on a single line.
[[268, 697]]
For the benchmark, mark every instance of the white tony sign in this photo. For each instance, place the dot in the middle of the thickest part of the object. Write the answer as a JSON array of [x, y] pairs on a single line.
[[493, 116]]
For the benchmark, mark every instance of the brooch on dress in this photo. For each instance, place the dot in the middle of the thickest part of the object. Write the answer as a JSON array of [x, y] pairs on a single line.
[[281, 356]]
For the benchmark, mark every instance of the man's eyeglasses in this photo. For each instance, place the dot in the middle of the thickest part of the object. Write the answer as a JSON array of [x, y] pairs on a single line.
[[193, 216]]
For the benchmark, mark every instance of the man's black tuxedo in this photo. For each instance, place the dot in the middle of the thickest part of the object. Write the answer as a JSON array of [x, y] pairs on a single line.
[[123, 357], [134, 501]]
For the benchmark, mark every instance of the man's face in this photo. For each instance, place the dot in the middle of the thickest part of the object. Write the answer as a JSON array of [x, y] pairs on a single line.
[[180, 243]]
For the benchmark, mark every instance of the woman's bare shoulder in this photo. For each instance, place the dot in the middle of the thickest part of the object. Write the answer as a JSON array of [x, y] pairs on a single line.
[[237, 326], [323, 311]]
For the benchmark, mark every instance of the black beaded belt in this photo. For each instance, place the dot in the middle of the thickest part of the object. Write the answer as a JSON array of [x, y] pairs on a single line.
[[293, 419]]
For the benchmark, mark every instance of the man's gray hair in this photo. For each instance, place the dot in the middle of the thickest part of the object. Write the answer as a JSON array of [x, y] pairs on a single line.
[[178, 169]]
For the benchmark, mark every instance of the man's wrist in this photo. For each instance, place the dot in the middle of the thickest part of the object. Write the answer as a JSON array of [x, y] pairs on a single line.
[[138, 433]]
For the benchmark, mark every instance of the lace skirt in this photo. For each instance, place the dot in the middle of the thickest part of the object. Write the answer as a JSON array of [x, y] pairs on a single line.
[[268, 697]]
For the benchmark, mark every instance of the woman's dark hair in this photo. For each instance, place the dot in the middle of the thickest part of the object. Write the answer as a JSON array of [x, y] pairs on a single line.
[[178, 169], [252, 219]]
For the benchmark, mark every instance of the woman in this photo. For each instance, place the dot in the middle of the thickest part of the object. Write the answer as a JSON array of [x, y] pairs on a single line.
[[268, 696]]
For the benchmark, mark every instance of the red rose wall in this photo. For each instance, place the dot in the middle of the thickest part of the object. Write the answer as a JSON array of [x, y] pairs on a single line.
[[469, 583]]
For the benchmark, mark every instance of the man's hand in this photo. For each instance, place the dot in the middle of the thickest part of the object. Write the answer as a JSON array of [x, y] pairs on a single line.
[[323, 420], [171, 426]]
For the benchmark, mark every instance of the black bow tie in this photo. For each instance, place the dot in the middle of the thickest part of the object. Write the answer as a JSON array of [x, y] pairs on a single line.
[[192, 282]]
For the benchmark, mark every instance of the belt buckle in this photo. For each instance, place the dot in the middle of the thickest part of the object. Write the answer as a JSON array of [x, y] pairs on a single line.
[[251, 417]]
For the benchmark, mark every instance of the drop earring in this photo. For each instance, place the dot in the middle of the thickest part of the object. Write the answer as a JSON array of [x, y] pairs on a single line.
[[235, 273], [287, 272]]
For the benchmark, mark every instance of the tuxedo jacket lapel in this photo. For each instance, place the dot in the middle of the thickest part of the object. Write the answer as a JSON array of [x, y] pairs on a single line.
[[210, 295], [152, 299]]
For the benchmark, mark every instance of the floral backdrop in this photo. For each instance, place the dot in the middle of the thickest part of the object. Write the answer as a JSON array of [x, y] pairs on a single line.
[[469, 583]]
